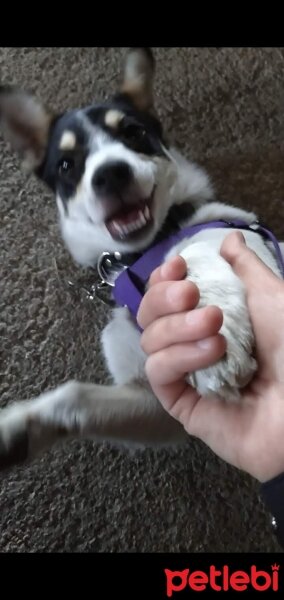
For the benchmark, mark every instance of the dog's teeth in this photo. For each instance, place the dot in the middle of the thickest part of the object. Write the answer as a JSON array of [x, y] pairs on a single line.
[[147, 213], [120, 229], [141, 221], [117, 227], [142, 218]]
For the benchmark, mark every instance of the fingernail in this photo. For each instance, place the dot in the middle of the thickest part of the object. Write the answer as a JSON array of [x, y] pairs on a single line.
[[174, 292], [240, 237], [164, 270], [205, 344]]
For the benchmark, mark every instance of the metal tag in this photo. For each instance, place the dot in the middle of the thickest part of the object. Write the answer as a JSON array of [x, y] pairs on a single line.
[[108, 267]]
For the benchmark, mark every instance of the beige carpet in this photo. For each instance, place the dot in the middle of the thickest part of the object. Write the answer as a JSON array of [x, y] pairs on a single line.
[[225, 108]]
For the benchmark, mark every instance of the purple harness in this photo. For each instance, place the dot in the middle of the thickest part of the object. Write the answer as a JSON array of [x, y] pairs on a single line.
[[129, 287]]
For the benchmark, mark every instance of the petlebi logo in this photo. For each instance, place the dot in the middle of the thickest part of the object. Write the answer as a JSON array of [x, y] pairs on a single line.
[[223, 579]]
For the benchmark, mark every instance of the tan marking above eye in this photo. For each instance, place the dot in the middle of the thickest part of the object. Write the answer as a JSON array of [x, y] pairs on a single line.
[[68, 141], [113, 118]]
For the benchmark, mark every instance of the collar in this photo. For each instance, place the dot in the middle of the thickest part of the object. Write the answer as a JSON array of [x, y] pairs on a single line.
[[129, 287]]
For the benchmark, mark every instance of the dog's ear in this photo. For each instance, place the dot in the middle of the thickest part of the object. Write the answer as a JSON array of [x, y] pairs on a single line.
[[25, 124], [138, 77]]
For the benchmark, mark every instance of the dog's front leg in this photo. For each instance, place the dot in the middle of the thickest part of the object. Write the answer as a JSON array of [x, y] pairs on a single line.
[[127, 414]]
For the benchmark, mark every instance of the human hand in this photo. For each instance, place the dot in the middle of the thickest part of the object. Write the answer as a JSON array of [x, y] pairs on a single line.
[[180, 338]]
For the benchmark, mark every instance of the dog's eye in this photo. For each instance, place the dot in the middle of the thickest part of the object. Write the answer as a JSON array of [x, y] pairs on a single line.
[[65, 165], [134, 133]]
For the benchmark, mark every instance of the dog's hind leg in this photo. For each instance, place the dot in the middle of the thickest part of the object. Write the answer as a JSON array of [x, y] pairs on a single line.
[[127, 414]]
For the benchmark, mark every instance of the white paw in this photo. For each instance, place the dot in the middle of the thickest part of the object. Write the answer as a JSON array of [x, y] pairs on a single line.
[[219, 286], [228, 376], [14, 442], [27, 428]]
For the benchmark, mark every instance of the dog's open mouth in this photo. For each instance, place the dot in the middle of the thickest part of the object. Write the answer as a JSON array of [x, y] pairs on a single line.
[[131, 221]]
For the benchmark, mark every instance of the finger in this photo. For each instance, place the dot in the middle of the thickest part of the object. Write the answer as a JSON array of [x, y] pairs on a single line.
[[170, 365], [190, 326], [172, 270], [244, 261], [166, 298]]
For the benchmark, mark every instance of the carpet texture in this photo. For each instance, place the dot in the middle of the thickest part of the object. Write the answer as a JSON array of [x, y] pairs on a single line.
[[224, 108]]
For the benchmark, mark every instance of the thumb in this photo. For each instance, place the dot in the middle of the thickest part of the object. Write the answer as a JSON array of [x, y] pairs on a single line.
[[243, 260]]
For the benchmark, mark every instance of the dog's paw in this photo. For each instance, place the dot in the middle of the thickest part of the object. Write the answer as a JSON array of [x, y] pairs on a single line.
[[219, 286], [28, 428], [23, 434], [14, 438], [227, 378]]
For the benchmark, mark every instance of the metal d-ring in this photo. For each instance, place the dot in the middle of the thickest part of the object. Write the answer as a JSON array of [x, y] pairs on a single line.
[[108, 267]]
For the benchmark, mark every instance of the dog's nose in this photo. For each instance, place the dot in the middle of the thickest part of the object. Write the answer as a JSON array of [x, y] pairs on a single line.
[[112, 178]]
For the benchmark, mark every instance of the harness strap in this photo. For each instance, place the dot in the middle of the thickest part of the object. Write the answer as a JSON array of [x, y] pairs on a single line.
[[130, 285]]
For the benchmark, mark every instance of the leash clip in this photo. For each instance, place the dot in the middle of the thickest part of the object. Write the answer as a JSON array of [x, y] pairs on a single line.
[[108, 268], [255, 226], [96, 290]]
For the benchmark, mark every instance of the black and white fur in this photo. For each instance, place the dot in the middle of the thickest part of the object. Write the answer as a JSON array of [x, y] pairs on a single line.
[[115, 178]]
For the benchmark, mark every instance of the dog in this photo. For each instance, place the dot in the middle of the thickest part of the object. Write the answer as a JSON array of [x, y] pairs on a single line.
[[118, 182]]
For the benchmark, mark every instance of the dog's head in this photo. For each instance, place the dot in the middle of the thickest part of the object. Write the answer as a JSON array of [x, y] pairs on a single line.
[[109, 166]]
